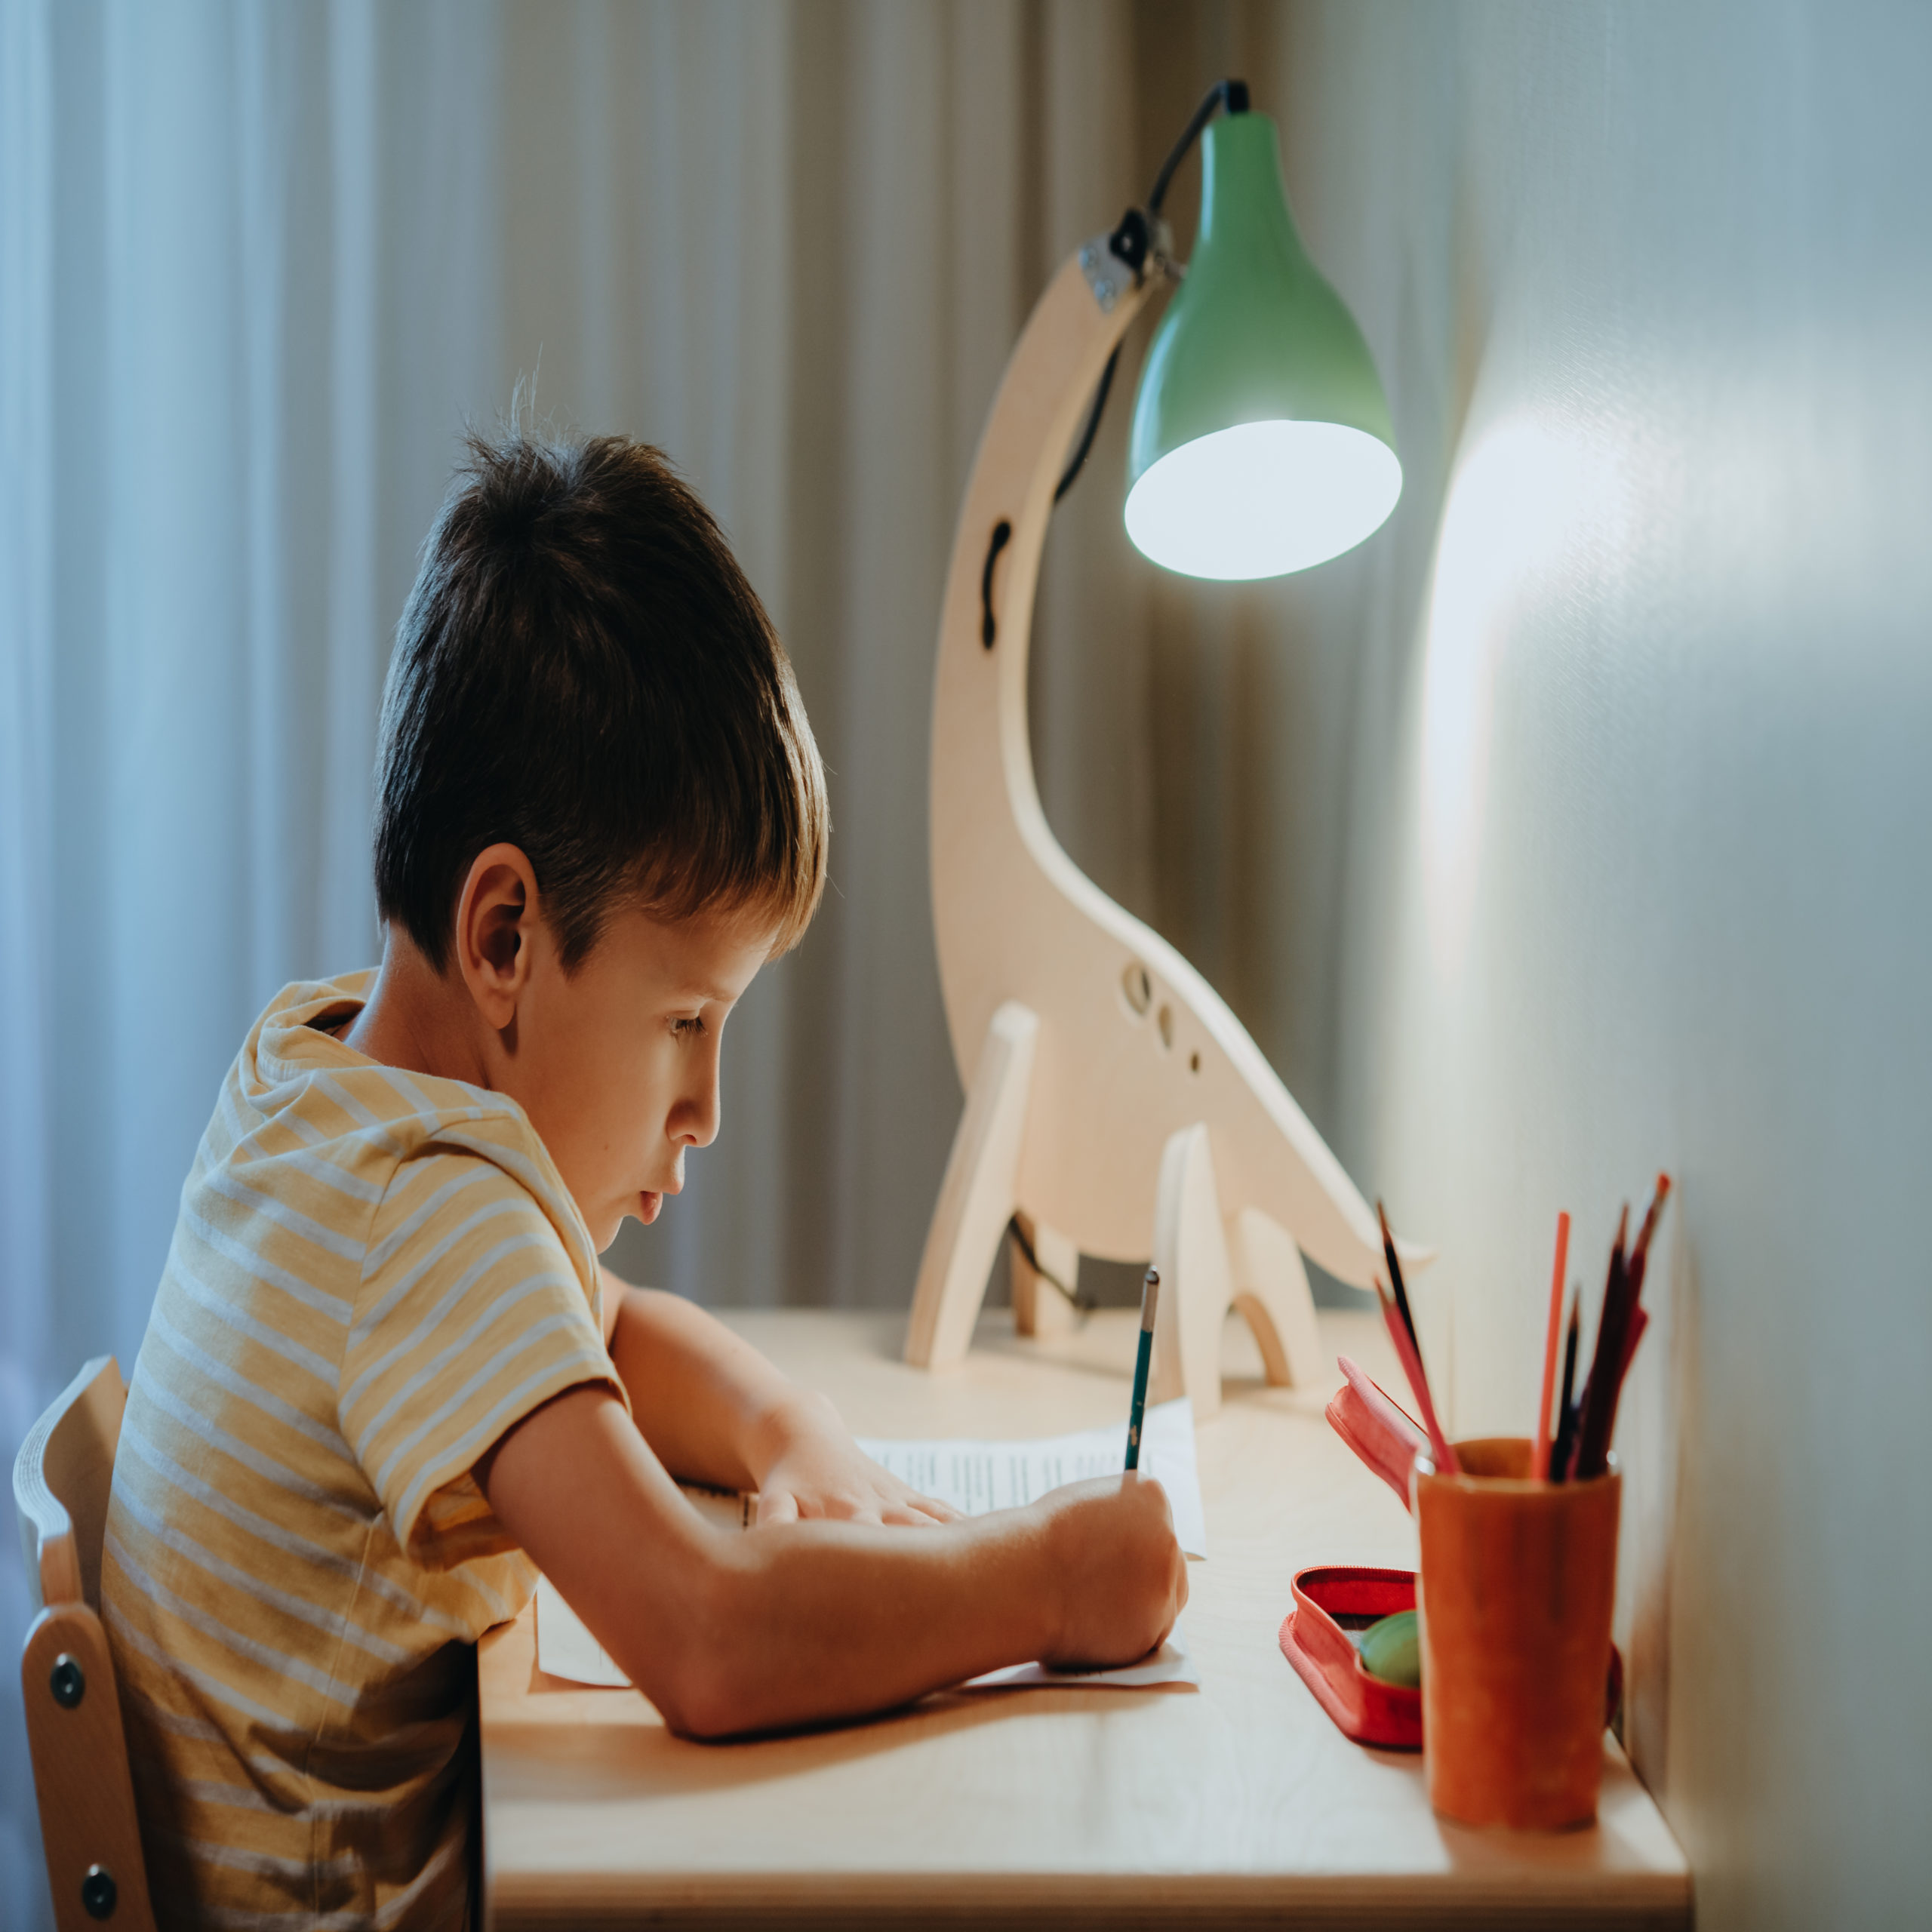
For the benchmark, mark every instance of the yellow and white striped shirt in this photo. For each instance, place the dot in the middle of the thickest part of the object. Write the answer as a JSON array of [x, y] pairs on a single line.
[[374, 1274]]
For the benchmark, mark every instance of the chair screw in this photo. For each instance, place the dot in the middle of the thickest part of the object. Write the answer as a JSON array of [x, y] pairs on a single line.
[[98, 1892], [69, 1684]]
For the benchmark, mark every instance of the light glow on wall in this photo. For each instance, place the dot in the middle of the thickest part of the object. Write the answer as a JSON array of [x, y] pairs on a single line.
[[1518, 506]]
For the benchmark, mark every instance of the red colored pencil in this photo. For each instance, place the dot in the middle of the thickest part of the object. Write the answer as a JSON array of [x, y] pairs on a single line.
[[1640, 1319], [1409, 1356], [1539, 1441]]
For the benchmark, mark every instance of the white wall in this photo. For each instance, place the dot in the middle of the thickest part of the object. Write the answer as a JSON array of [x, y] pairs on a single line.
[[1640, 813]]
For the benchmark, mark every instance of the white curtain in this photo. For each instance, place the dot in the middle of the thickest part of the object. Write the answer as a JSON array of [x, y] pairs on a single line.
[[260, 265]]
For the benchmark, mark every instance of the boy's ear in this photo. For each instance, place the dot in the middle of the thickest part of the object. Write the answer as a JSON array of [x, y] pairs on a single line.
[[496, 927]]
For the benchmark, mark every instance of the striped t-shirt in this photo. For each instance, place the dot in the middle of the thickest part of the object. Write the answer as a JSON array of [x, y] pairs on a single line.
[[374, 1274]]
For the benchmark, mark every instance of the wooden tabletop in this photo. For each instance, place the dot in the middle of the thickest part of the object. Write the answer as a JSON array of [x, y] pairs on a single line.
[[1235, 1803]]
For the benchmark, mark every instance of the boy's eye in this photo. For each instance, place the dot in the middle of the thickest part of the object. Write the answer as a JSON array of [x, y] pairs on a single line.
[[689, 1028]]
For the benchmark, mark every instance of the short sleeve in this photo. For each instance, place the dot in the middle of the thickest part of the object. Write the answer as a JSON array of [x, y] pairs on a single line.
[[470, 1314]]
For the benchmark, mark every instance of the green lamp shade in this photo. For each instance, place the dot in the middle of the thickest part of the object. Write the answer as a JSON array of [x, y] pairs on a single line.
[[1261, 442]]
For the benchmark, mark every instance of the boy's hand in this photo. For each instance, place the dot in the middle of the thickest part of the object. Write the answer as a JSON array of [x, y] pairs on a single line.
[[1121, 1579], [817, 1470]]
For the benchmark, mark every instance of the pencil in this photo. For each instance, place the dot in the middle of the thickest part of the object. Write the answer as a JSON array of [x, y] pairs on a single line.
[[1401, 1293], [1150, 1297], [1566, 1407], [1409, 1356], [1539, 1441], [1635, 1321], [1600, 1388]]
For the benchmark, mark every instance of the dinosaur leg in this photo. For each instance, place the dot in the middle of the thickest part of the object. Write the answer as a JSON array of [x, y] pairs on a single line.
[[976, 1199], [1272, 1291], [1191, 1251], [1039, 1307]]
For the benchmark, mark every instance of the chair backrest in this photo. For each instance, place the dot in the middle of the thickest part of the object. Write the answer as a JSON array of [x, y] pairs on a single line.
[[88, 1825]]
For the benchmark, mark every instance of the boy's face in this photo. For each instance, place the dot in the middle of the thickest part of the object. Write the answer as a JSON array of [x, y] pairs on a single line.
[[617, 1063]]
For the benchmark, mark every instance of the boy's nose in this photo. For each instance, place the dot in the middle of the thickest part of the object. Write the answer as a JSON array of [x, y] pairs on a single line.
[[702, 1111]]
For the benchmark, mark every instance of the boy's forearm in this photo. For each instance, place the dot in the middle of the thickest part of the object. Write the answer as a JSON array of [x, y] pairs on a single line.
[[709, 1404], [818, 1620], [735, 1631]]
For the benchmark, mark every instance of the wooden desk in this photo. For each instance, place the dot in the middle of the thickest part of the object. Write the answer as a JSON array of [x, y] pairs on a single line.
[[1237, 1803]]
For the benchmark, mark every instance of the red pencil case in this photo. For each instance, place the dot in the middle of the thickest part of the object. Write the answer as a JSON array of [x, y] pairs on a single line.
[[1331, 1599], [1362, 1707]]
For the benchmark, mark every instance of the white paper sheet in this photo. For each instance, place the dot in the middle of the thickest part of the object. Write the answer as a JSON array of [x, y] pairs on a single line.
[[565, 1649], [977, 1476]]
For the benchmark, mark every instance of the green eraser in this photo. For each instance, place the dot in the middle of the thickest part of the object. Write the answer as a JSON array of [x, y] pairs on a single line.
[[1392, 1651]]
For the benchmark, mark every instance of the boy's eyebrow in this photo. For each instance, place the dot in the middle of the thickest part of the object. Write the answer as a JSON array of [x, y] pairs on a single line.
[[696, 993]]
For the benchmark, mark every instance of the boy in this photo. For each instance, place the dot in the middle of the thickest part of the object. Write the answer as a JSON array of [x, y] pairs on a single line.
[[383, 1383]]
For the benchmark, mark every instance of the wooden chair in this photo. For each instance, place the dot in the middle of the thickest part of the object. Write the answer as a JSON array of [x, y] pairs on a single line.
[[87, 1821]]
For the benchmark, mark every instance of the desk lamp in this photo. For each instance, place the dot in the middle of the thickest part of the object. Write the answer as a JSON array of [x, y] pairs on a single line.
[[1114, 1105]]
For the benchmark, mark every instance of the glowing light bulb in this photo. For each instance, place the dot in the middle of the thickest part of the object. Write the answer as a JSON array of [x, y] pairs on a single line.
[[1261, 499]]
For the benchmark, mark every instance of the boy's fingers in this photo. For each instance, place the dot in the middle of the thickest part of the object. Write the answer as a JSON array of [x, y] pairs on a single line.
[[909, 1515], [780, 1506], [928, 1505]]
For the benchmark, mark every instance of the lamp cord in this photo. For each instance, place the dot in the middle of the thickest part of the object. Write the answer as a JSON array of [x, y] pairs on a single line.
[[1230, 97], [1130, 243], [1078, 460], [1085, 1304]]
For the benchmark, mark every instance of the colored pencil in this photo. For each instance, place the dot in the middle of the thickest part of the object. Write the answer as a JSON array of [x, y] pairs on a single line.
[[1640, 1319], [1539, 1441], [1566, 1406], [1395, 1278], [1640, 1255], [1150, 1298], [1599, 1390], [1637, 1320], [1409, 1356]]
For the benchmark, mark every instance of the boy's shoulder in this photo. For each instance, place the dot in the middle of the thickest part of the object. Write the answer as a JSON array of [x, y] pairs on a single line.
[[398, 1250], [303, 1112]]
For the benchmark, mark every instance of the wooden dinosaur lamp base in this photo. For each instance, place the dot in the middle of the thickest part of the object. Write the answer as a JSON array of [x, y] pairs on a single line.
[[1208, 1263], [1114, 1104]]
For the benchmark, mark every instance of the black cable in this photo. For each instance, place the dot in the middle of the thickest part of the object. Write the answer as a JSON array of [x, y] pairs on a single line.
[[1085, 1306], [1092, 429], [1231, 96], [1130, 243]]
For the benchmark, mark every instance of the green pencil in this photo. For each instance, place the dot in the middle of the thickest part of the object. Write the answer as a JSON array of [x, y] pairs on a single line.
[[1150, 1295]]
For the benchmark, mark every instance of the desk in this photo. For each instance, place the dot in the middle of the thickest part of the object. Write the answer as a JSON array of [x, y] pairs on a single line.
[[1237, 1803]]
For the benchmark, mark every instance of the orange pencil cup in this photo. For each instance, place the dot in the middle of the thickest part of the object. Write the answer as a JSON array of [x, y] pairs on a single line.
[[1515, 1591]]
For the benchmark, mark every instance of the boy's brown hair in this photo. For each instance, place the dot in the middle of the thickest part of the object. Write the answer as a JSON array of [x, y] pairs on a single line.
[[582, 671]]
